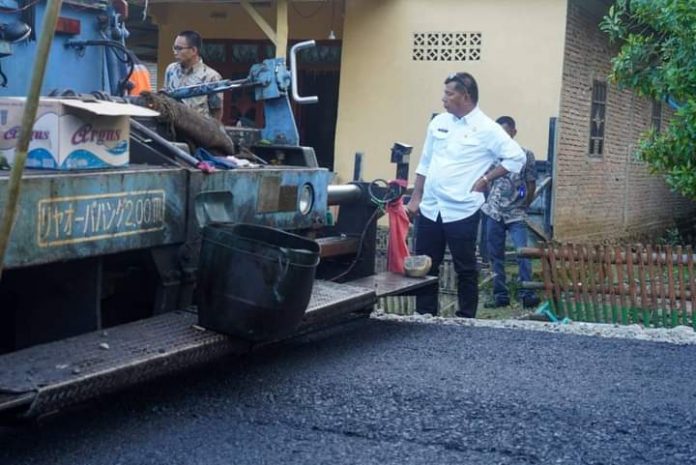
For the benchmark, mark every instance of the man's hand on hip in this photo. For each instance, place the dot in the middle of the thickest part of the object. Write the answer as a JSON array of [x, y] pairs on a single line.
[[481, 185]]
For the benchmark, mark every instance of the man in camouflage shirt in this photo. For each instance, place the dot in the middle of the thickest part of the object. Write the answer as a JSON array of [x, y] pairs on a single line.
[[506, 211], [189, 70]]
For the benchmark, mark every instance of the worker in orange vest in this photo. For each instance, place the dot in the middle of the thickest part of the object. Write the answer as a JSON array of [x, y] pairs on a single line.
[[139, 79]]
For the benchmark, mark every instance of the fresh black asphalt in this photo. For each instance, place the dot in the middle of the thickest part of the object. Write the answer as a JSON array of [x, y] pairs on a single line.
[[383, 392]]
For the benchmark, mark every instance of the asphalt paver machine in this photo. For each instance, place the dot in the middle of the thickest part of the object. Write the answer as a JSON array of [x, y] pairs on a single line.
[[99, 284]]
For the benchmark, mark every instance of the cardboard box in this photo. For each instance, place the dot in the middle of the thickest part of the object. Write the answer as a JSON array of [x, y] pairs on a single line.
[[71, 134]]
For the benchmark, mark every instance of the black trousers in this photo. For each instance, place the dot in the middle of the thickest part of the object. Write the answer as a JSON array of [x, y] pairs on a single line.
[[460, 236]]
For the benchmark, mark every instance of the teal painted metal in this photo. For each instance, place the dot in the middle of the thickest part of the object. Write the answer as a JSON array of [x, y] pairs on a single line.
[[267, 197], [271, 81], [134, 231], [88, 67], [66, 216]]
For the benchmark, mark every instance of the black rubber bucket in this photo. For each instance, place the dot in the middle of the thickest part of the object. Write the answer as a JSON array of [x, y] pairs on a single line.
[[254, 282]]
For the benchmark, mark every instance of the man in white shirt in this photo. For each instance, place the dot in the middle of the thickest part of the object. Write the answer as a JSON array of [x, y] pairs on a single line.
[[460, 147]]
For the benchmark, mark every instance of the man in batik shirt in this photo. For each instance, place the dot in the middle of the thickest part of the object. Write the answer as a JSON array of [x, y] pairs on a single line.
[[189, 70], [505, 211]]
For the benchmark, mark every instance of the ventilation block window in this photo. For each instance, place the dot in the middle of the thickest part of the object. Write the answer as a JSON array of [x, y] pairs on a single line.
[[657, 116], [447, 46], [598, 118]]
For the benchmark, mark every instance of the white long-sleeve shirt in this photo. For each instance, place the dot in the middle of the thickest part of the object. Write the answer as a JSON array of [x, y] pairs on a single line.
[[457, 152]]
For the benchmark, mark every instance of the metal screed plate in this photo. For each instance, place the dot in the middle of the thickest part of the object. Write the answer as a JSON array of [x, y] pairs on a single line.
[[51, 376]]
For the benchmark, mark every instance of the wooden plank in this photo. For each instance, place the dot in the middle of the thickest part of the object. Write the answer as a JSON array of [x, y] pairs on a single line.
[[583, 274], [661, 275], [572, 294], [643, 283], [568, 283], [281, 28], [654, 287], [558, 284], [579, 314], [600, 282], [587, 283], [663, 279], [631, 278], [681, 317], [623, 301], [546, 272], [557, 298], [663, 296], [692, 283], [670, 319], [591, 282], [608, 251]]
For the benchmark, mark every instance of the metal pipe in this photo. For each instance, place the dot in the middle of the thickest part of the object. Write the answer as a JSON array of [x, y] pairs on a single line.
[[173, 150], [209, 88], [344, 194], [533, 285], [293, 72], [31, 107], [617, 290], [636, 257], [112, 65], [542, 185]]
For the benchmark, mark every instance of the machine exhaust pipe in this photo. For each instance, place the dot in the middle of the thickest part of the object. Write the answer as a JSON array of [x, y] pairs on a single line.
[[344, 194]]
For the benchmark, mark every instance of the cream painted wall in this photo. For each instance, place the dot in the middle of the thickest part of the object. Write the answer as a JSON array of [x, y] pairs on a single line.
[[384, 95], [387, 97], [310, 20]]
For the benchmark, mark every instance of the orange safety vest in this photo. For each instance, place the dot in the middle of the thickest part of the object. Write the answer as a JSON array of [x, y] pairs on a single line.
[[140, 80]]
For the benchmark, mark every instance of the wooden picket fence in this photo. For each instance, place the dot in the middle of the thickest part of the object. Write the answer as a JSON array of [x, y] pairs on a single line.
[[636, 284]]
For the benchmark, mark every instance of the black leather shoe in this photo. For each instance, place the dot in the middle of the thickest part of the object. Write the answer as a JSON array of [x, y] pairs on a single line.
[[14, 32], [459, 314], [494, 303], [530, 302]]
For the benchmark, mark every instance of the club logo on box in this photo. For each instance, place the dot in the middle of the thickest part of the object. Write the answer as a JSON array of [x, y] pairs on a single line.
[[87, 133], [13, 134]]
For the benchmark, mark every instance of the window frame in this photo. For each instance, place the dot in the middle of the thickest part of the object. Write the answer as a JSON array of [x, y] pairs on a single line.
[[598, 119]]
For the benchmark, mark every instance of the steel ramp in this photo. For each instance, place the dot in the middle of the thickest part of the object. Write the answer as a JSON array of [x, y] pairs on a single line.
[[386, 284], [48, 377]]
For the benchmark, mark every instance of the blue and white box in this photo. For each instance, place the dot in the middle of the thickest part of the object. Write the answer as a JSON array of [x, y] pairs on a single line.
[[71, 134]]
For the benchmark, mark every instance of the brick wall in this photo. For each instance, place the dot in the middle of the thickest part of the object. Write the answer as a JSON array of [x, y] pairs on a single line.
[[613, 196]]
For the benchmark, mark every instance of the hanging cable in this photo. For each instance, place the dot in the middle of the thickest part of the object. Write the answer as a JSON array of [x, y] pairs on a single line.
[[21, 8], [116, 47], [391, 194]]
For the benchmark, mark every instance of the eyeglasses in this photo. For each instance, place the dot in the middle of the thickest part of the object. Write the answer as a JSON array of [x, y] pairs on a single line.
[[178, 48]]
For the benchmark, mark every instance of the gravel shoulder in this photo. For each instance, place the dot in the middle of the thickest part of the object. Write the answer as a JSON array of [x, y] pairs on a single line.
[[680, 335]]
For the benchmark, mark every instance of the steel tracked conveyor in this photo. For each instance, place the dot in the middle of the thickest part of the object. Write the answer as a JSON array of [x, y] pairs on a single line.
[[51, 376]]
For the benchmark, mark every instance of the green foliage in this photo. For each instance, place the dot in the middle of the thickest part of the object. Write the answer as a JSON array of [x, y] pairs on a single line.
[[657, 59], [672, 237]]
